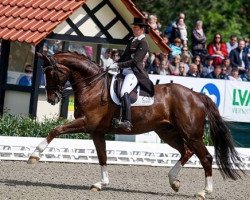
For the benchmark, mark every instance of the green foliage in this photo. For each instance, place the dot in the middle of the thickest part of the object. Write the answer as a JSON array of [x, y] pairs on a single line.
[[24, 126], [226, 17], [207, 137]]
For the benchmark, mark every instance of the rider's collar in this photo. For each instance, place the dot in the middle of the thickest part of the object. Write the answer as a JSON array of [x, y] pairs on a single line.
[[139, 37]]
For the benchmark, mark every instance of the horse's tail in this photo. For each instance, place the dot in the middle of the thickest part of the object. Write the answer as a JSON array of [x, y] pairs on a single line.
[[225, 154]]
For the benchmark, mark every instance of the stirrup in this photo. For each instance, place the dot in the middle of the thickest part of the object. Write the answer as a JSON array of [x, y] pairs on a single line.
[[125, 125]]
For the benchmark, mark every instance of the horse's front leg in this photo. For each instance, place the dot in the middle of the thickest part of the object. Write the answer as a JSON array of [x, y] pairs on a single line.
[[76, 126], [100, 145]]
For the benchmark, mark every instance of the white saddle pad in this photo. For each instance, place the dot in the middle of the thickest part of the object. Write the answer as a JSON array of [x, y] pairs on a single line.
[[141, 100]]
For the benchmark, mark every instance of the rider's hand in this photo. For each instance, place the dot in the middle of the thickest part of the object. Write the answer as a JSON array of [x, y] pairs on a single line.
[[113, 66]]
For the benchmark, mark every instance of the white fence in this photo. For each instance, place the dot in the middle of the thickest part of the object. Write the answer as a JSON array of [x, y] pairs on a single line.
[[83, 151]]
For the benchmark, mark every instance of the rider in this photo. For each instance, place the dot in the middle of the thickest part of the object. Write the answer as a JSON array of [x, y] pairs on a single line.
[[131, 65]]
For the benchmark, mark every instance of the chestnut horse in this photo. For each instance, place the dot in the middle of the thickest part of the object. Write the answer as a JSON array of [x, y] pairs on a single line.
[[178, 116]]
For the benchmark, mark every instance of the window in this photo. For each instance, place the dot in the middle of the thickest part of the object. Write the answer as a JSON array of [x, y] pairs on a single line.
[[21, 61]]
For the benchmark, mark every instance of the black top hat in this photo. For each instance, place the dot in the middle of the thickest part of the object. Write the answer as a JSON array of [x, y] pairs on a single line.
[[140, 21]]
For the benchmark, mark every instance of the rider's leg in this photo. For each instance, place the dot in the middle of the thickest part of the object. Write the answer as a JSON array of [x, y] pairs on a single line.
[[128, 85]]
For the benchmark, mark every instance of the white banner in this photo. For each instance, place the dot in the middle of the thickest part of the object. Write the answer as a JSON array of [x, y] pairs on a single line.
[[237, 104], [231, 97]]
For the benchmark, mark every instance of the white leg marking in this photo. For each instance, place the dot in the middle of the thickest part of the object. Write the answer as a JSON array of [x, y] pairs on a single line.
[[105, 178], [40, 148], [209, 184], [208, 187], [173, 173]]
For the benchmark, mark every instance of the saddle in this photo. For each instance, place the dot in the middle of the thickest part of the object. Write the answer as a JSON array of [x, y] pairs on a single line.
[[135, 98]]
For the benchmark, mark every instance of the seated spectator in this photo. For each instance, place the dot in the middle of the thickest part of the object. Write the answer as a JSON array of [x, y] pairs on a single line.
[[174, 65], [239, 58], [197, 60], [182, 69], [106, 59], [227, 64], [232, 44], [234, 76], [217, 49], [216, 73], [165, 39], [193, 71], [176, 48], [164, 68], [223, 73], [198, 40], [246, 76], [115, 56], [26, 80], [208, 67], [187, 60], [152, 69]]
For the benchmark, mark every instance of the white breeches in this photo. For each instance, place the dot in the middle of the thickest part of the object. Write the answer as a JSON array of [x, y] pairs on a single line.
[[130, 81]]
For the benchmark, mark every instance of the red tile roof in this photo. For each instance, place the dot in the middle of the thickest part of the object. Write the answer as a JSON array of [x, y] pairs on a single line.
[[32, 20]]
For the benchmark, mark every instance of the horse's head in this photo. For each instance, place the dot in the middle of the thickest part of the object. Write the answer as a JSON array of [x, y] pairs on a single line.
[[56, 75]]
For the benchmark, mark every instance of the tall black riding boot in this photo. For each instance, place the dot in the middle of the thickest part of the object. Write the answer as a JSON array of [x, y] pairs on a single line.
[[126, 112]]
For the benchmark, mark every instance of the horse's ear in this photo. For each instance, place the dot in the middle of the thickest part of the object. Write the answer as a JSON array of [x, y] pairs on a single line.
[[43, 57]]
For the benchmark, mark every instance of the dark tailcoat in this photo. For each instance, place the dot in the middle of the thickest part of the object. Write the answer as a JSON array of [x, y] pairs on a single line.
[[133, 57]]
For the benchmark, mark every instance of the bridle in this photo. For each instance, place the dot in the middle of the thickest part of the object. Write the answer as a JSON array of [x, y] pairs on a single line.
[[58, 89]]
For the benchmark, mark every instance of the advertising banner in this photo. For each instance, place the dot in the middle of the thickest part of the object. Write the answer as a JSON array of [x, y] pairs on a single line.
[[237, 104]]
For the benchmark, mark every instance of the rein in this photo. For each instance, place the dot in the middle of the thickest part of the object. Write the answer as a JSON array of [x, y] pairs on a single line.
[[88, 81]]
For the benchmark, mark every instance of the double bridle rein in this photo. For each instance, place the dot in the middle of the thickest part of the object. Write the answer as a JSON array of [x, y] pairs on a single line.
[[88, 81]]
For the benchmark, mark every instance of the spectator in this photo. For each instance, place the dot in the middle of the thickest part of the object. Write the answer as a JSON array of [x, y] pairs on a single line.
[[152, 21], [193, 71], [106, 59], [182, 69], [115, 55], [186, 59], [239, 58], [182, 30], [246, 76], [234, 76], [199, 40], [227, 64], [197, 60], [232, 44], [247, 48], [164, 67], [176, 48], [172, 31], [216, 73], [208, 67], [165, 39], [152, 69], [223, 73], [26, 80], [174, 65], [217, 49]]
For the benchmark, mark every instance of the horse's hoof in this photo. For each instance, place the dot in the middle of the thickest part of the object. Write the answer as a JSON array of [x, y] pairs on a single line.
[[33, 160], [175, 185], [95, 189], [200, 195]]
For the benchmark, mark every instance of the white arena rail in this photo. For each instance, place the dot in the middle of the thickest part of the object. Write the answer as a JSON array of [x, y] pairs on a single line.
[[83, 151]]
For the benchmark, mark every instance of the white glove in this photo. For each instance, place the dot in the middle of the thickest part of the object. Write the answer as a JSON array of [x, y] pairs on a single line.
[[113, 66]]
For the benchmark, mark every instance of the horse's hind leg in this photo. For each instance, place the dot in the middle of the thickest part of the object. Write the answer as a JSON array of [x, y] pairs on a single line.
[[206, 160], [175, 141], [75, 126]]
